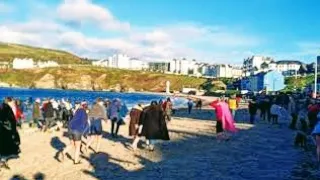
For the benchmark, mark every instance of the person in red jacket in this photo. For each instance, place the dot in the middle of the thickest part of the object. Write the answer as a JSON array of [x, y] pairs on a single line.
[[16, 110]]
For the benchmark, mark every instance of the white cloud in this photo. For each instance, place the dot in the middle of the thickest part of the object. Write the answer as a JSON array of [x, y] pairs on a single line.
[[190, 40], [85, 11]]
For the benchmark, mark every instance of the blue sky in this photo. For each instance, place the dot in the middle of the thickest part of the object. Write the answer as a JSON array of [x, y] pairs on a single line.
[[216, 31]]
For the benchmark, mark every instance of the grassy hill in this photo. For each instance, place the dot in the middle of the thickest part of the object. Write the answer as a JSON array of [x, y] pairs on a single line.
[[10, 51], [106, 78]]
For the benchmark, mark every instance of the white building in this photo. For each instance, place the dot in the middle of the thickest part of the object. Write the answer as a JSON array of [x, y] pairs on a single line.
[[252, 65], [288, 65], [120, 61], [4, 65], [183, 66], [46, 64], [23, 63], [135, 64], [101, 63]]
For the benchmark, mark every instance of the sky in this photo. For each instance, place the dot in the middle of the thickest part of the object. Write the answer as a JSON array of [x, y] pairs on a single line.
[[215, 31]]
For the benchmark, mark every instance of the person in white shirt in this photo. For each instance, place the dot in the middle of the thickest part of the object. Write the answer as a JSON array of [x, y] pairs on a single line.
[[275, 113]]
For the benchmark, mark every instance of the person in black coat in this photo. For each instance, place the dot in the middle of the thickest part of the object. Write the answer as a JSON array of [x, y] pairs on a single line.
[[152, 125], [9, 137]]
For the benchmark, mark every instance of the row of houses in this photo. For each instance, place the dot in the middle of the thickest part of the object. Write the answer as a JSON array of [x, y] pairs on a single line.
[[27, 63], [256, 64], [268, 81], [122, 61]]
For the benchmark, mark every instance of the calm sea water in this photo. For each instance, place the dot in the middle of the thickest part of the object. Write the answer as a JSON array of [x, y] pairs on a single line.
[[129, 98]]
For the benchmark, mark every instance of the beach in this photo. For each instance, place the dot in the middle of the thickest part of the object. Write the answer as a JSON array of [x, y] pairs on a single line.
[[259, 151]]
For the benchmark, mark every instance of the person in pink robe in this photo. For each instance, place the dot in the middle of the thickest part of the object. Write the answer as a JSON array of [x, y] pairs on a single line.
[[225, 121]]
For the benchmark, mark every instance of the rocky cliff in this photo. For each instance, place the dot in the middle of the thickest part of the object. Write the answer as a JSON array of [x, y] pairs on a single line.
[[93, 78]]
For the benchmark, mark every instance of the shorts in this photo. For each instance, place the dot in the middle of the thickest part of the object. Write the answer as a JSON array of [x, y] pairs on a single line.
[[96, 127], [219, 127], [75, 135]]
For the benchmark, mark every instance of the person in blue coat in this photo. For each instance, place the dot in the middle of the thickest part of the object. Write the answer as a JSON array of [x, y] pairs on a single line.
[[77, 127]]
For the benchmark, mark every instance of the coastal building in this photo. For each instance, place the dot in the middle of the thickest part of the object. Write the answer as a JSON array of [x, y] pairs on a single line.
[[25, 63], [46, 64], [135, 64], [288, 65], [158, 66], [183, 66], [120, 61], [269, 81], [5, 65], [253, 65]]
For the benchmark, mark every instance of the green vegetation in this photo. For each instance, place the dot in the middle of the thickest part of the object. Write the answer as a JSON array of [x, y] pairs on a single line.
[[299, 83], [10, 51], [105, 77]]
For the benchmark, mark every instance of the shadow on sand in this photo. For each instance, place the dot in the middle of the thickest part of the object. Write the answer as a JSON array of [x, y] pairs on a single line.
[[38, 176], [256, 152]]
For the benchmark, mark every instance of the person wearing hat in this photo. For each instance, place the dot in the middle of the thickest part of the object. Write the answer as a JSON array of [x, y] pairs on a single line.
[[36, 113]]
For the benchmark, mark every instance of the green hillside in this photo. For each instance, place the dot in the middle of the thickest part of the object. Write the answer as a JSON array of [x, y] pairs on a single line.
[[105, 78], [10, 51]]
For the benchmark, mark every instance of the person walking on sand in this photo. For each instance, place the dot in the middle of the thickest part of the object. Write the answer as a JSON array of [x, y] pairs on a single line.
[[233, 105], [117, 112], [224, 119], [36, 113], [96, 115], [253, 108], [48, 115], [77, 126], [135, 114], [167, 108], [9, 136], [190, 105], [152, 126]]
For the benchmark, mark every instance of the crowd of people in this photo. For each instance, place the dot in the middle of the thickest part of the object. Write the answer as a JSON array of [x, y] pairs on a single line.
[[84, 120], [84, 123]]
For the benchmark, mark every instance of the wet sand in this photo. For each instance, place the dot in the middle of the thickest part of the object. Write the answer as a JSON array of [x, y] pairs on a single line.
[[258, 151]]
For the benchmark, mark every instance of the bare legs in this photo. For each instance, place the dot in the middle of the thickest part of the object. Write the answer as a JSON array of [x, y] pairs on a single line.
[[76, 145], [91, 139]]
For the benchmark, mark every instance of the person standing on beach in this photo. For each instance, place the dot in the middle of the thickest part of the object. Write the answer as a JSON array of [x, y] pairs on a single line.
[[167, 108], [77, 126], [96, 115], [48, 115], [36, 113], [190, 105], [152, 126], [116, 116], [9, 136], [233, 105], [199, 104], [135, 114], [224, 119], [253, 108]]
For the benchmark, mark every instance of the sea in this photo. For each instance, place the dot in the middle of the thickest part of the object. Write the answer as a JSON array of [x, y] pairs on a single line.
[[130, 99]]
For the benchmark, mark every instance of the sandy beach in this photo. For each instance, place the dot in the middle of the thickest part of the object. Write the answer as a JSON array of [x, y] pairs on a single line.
[[258, 151]]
